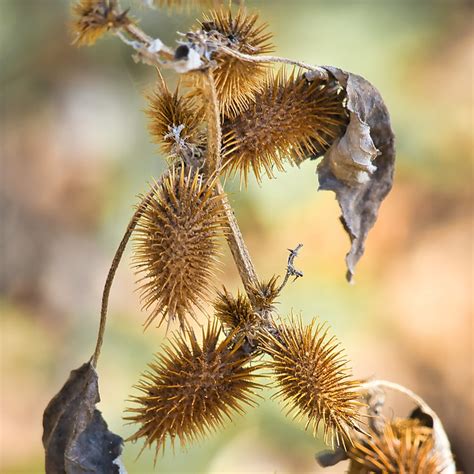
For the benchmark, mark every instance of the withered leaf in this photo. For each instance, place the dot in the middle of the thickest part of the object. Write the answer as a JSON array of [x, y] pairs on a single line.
[[75, 436], [329, 458], [359, 166]]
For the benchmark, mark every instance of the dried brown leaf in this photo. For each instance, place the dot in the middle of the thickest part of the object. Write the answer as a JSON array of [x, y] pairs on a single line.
[[359, 166], [75, 436]]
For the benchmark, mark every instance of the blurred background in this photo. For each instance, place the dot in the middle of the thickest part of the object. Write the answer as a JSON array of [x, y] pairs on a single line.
[[75, 153]]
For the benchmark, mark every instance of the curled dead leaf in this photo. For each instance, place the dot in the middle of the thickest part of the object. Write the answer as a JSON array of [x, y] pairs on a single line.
[[75, 436], [359, 165]]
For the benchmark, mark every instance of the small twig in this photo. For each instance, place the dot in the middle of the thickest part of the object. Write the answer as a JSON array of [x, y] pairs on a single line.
[[147, 41], [441, 441], [113, 268], [151, 51], [322, 73], [290, 268]]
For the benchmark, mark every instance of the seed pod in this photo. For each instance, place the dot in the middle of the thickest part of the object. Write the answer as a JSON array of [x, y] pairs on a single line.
[[290, 119], [191, 388], [93, 18], [236, 80], [175, 123], [176, 245], [234, 312], [314, 379], [237, 315], [184, 5], [264, 294], [404, 446]]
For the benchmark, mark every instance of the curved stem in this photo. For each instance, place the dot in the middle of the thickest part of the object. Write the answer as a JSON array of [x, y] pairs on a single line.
[[439, 434], [113, 269], [323, 74]]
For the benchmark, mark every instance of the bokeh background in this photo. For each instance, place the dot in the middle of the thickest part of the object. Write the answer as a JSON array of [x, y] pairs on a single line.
[[75, 153]]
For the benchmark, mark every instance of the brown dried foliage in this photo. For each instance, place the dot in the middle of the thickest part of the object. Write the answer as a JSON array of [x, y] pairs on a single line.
[[93, 18], [314, 379], [291, 119], [176, 245], [190, 388], [404, 446]]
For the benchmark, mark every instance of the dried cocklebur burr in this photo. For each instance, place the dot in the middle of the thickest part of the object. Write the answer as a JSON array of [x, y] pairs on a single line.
[[94, 18], [263, 295], [314, 379], [191, 388], [182, 5], [234, 312], [291, 119], [175, 124], [404, 446], [176, 245], [236, 80], [237, 316]]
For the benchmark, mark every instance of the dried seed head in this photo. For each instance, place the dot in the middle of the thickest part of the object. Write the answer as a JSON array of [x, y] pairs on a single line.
[[291, 118], [176, 245], [183, 5], [175, 123], [404, 446], [234, 312], [314, 379], [93, 18], [264, 294], [236, 80], [191, 388], [237, 315]]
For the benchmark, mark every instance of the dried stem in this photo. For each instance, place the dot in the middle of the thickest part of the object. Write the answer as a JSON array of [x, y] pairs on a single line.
[[235, 240], [214, 131], [113, 268], [441, 440], [290, 267], [321, 72], [165, 56], [238, 248], [136, 38]]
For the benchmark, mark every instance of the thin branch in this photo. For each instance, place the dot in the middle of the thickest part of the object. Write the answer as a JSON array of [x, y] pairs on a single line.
[[113, 269], [151, 51], [290, 267], [238, 248], [441, 440], [321, 72]]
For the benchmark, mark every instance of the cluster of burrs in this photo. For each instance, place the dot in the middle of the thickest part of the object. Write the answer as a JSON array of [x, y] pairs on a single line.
[[232, 116]]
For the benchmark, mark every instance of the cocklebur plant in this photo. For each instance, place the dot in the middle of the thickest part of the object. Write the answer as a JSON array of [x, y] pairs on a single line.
[[234, 113]]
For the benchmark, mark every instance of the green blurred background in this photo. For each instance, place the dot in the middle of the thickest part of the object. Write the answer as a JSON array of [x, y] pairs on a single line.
[[75, 153]]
